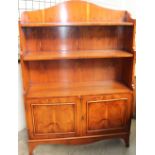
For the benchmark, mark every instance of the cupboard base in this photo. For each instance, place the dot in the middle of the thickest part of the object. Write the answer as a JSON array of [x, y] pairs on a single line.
[[77, 140]]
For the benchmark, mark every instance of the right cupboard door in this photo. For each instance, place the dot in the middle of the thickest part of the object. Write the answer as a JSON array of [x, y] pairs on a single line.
[[106, 113]]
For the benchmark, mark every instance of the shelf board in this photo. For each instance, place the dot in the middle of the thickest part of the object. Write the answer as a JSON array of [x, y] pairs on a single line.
[[53, 24], [82, 54], [76, 89]]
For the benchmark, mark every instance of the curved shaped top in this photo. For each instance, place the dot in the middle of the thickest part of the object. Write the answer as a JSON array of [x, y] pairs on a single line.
[[74, 12]]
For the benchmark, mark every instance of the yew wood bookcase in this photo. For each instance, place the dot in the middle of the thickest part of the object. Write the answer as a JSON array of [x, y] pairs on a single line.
[[77, 64]]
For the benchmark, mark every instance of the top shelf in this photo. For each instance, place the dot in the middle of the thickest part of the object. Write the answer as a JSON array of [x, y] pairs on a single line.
[[54, 24]]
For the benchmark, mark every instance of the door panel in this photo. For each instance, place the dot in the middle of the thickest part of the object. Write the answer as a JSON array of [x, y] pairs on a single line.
[[51, 118], [117, 111], [106, 113]]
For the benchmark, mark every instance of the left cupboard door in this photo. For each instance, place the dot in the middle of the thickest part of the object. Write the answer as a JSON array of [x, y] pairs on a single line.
[[53, 118]]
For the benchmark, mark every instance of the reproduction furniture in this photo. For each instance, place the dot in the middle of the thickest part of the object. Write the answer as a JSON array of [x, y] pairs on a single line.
[[77, 64]]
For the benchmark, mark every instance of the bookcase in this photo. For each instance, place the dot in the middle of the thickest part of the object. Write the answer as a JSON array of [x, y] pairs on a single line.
[[77, 64]]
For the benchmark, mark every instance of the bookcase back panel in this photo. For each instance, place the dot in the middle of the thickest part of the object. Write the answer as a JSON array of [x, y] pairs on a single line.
[[78, 38], [75, 70], [104, 37]]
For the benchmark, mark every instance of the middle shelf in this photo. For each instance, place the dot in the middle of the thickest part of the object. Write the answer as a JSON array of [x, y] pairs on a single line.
[[80, 54]]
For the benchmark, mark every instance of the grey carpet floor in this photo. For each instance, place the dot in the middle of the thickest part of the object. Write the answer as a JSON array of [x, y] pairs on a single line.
[[105, 147]]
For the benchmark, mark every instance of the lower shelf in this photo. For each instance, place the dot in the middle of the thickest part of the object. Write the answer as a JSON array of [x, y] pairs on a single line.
[[76, 89]]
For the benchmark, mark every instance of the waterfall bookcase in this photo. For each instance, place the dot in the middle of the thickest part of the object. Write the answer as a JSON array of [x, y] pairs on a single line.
[[77, 64]]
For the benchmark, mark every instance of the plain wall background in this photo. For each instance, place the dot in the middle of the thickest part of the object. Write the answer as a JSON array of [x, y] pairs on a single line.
[[114, 4]]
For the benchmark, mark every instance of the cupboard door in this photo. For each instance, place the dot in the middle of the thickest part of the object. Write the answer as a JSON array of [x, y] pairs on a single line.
[[53, 118], [106, 113]]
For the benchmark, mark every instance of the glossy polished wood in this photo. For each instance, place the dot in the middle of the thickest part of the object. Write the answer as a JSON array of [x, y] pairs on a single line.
[[79, 70], [76, 89], [77, 64], [53, 117], [25, 25], [74, 13], [86, 54], [66, 39], [106, 113]]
